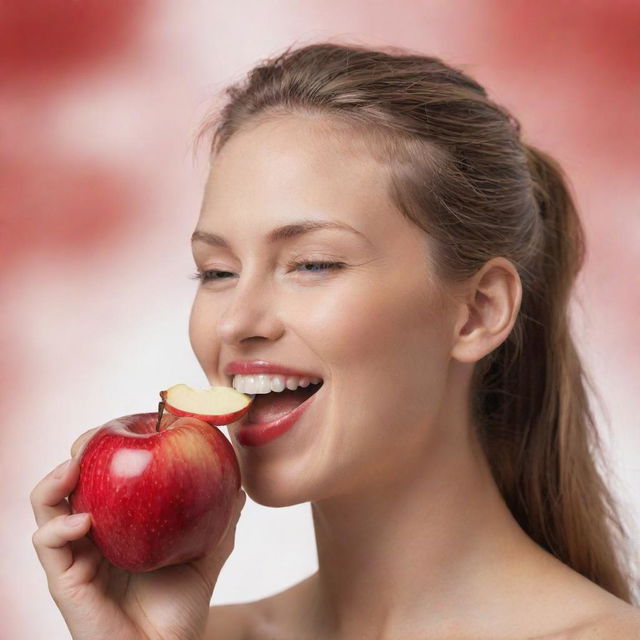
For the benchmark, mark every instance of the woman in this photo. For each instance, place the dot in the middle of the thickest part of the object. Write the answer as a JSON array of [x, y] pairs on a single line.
[[446, 454]]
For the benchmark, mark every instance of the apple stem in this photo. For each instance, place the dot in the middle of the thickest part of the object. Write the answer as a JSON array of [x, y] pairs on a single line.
[[160, 410]]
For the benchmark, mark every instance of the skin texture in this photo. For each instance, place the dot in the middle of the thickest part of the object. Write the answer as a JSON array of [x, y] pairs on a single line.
[[413, 537]]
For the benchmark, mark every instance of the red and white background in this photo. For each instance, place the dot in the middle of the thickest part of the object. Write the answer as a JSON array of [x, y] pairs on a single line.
[[99, 102]]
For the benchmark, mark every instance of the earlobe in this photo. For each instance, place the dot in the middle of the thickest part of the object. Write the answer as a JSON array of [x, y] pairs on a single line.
[[490, 311], [467, 338]]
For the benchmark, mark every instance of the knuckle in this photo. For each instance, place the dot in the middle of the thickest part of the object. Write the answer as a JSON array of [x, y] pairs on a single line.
[[59, 521], [34, 496], [81, 440]]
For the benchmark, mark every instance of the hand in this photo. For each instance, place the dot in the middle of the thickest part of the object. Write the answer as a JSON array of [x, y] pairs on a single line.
[[102, 602]]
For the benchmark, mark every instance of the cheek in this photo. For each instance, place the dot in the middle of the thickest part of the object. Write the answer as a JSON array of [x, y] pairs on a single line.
[[394, 324], [387, 344], [387, 349]]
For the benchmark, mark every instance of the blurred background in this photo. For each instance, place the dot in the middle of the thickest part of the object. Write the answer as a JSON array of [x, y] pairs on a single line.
[[99, 193]]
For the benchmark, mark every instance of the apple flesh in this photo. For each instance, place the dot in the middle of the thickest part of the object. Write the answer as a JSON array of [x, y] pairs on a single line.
[[216, 405], [160, 489]]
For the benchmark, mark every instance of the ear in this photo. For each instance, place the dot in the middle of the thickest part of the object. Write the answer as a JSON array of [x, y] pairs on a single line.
[[487, 311]]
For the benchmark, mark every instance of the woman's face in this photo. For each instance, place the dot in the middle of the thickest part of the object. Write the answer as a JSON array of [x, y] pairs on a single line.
[[376, 331]]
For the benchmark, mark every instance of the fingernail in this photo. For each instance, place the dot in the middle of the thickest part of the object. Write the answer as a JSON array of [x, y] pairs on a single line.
[[58, 472], [75, 520]]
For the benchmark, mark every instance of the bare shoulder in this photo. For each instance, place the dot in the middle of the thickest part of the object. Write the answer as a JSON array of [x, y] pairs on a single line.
[[621, 624], [228, 622], [252, 620], [271, 617]]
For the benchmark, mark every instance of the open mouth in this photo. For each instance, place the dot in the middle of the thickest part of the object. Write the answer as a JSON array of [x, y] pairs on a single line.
[[267, 407]]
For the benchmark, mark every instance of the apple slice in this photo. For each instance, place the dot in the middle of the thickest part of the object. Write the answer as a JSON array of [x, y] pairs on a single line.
[[216, 405]]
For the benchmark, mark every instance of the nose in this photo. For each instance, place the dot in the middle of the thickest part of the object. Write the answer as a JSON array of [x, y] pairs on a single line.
[[250, 313]]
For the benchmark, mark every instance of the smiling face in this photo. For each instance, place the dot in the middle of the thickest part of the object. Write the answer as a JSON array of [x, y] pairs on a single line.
[[375, 330]]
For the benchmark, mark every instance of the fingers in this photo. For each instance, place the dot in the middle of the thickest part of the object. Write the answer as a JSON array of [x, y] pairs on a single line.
[[51, 542], [238, 506], [240, 501], [48, 496], [228, 539], [57, 526], [81, 441], [226, 542]]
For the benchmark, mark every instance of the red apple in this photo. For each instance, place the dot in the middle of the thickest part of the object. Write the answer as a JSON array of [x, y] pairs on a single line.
[[216, 405], [159, 491]]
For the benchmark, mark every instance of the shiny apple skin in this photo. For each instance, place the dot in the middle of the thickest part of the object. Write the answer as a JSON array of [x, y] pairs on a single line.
[[156, 498]]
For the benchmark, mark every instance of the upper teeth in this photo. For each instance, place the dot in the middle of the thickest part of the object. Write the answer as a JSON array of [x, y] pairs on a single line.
[[265, 383]]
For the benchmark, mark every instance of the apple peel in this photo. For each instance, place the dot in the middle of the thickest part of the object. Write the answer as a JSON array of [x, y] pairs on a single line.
[[156, 497], [217, 405]]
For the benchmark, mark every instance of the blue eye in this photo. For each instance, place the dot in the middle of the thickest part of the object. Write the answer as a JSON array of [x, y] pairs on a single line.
[[212, 274]]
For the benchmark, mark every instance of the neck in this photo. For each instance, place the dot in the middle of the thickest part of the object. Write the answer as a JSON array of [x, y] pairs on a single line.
[[416, 551]]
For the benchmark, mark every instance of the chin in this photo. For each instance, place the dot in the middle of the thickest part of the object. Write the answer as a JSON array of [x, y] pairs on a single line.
[[270, 488], [272, 501], [272, 494]]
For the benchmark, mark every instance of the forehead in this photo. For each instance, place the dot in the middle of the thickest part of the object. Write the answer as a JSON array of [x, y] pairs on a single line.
[[294, 167]]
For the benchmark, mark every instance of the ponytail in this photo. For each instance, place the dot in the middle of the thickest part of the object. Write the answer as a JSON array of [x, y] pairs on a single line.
[[552, 484]]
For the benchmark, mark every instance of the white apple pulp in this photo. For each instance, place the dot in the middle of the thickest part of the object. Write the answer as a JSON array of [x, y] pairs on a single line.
[[213, 401]]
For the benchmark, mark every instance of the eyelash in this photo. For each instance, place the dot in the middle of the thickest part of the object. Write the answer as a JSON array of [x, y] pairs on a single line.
[[328, 266]]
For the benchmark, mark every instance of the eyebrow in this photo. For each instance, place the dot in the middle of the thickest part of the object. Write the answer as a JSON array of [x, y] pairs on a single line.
[[279, 234]]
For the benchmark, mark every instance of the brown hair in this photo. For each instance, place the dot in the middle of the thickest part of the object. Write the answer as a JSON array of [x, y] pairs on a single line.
[[459, 170]]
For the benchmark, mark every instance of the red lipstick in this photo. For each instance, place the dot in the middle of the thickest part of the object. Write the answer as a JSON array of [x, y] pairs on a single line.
[[256, 434], [248, 367]]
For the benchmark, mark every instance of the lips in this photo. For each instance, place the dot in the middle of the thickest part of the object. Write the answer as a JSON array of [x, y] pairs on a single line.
[[249, 367], [250, 434]]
